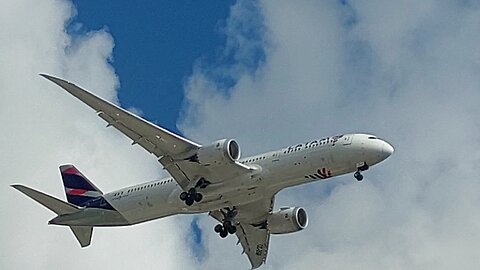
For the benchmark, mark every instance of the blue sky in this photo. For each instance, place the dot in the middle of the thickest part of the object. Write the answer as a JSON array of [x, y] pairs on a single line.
[[156, 46]]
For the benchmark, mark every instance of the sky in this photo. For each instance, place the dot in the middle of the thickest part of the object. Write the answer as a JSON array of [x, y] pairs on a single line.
[[156, 44], [270, 74]]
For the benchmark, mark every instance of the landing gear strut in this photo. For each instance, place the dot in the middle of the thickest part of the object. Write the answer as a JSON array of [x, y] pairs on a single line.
[[192, 195], [227, 227], [360, 168]]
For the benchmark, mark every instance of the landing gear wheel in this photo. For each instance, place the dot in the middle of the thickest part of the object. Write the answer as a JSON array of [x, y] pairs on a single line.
[[232, 229], [218, 228], [189, 201], [223, 233], [358, 176], [227, 227], [198, 197], [183, 196], [191, 196]]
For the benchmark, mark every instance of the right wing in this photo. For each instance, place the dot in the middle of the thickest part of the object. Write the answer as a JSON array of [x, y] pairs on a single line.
[[255, 242]]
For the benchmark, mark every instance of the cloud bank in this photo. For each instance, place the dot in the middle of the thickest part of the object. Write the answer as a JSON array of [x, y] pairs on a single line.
[[404, 70], [43, 127]]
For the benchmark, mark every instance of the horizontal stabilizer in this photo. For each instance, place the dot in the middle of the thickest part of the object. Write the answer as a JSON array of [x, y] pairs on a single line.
[[57, 206], [82, 233]]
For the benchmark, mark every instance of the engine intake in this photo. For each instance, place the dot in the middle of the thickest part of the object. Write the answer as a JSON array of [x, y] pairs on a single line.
[[218, 153], [287, 220]]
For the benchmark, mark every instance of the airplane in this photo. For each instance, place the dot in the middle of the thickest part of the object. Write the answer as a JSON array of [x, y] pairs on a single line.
[[213, 178]]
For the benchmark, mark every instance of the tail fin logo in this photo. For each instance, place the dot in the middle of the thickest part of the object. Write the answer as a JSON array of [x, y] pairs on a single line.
[[82, 192], [78, 188]]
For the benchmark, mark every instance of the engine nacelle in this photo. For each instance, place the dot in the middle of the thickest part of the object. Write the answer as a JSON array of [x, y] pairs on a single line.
[[219, 152], [287, 220]]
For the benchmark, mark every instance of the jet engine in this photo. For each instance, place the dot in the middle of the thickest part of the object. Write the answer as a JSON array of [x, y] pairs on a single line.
[[287, 220], [218, 153]]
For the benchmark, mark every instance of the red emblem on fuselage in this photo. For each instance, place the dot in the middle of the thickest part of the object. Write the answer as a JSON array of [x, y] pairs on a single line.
[[322, 173]]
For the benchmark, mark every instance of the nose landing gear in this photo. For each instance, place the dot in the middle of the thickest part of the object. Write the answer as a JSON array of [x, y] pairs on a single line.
[[363, 166]]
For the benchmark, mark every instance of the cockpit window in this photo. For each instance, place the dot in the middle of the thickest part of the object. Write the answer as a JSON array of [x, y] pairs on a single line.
[[372, 138]]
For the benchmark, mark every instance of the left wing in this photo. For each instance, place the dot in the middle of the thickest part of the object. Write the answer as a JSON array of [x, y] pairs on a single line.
[[252, 231], [153, 138], [172, 150]]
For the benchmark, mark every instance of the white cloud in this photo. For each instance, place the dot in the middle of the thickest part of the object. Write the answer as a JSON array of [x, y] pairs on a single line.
[[42, 127], [404, 70]]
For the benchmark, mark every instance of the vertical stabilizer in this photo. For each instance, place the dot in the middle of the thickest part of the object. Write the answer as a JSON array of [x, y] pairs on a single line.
[[78, 188]]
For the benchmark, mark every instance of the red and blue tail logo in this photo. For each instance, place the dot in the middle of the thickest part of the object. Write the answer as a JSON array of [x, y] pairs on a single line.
[[78, 188]]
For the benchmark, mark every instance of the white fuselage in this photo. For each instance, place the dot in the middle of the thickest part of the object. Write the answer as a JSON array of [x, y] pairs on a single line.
[[276, 170]]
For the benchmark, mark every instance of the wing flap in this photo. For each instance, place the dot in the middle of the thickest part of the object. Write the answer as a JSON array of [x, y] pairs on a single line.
[[214, 174], [136, 136], [177, 173], [255, 242]]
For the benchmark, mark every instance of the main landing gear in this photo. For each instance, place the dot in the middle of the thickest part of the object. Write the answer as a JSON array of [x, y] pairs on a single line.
[[193, 195], [360, 168], [227, 227]]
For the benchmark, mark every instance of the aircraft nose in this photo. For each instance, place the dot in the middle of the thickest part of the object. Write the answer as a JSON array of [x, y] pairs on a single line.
[[387, 149]]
